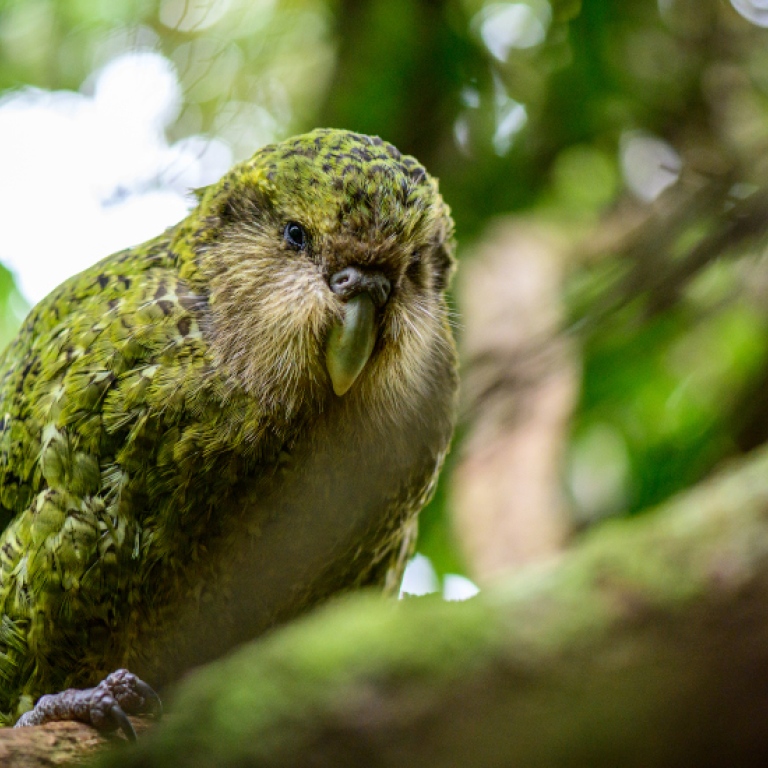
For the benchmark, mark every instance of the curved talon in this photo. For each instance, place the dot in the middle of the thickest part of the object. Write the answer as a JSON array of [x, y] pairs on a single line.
[[132, 694], [152, 702], [122, 722]]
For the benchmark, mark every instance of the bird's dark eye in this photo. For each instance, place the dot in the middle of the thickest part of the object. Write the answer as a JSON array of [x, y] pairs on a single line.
[[295, 235]]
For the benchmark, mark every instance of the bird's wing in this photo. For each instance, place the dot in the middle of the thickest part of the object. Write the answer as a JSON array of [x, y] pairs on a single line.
[[81, 370]]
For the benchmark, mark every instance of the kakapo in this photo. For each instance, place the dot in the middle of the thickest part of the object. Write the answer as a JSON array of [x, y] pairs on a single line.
[[208, 433]]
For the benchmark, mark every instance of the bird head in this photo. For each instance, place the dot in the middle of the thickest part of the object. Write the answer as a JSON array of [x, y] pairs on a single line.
[[324, 259]]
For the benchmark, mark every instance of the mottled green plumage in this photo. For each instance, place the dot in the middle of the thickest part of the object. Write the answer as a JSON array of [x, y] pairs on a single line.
[[176, 472]]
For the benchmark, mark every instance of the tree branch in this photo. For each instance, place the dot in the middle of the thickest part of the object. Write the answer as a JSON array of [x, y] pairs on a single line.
[[56, 744], [647, 644]]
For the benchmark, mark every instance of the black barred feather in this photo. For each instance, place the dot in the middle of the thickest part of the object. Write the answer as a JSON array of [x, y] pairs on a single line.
[[176, 473]]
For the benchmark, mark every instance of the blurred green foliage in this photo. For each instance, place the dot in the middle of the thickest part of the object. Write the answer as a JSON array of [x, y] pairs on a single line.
[[520, 106], [13, 307]]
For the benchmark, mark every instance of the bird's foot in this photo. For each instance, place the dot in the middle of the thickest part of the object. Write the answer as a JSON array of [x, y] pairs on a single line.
[[105, 707]]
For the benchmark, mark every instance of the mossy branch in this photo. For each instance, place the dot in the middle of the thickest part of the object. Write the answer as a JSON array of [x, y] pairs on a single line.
[[647, 644]]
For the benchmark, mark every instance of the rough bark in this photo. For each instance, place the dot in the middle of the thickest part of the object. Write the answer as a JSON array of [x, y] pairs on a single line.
[[55, 744]]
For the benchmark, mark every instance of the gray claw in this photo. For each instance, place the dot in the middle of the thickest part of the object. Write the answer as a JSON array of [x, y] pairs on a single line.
[[155, 705], [122, 722], [106, 706], [133, 694]]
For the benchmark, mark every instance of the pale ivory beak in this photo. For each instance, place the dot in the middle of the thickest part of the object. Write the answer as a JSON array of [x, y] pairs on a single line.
[[350, 342]]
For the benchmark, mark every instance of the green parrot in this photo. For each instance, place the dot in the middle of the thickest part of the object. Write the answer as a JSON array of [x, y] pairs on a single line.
[[209, 433]]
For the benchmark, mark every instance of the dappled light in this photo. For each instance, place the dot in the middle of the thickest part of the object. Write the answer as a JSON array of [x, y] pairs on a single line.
[[606, 168], [100, 164]]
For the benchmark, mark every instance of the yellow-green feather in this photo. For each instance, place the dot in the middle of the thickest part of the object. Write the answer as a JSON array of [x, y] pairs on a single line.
[[166, 414]]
